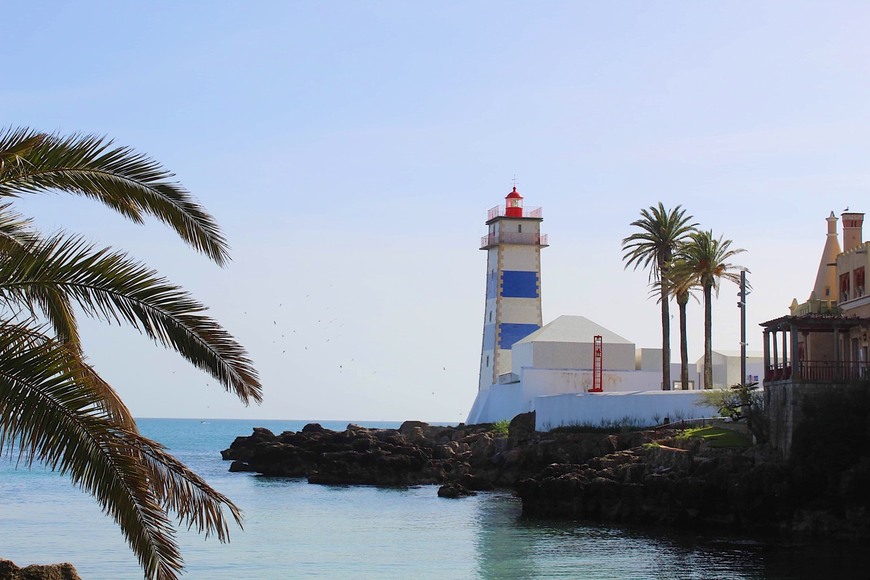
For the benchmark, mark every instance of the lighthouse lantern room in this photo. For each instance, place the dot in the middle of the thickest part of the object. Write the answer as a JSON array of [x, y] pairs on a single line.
[[513, 284]]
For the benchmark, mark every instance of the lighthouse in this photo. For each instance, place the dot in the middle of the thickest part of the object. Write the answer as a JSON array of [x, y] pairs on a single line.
[[513, 283]]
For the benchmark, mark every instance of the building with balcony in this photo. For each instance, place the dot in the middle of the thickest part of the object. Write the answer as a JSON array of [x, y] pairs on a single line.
[[823, 343]]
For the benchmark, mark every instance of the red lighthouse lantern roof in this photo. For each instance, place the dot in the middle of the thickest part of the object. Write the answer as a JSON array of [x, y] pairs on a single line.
[[514, 194]]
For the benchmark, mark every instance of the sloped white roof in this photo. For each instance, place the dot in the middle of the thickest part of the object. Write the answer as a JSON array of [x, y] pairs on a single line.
[[568, 328]]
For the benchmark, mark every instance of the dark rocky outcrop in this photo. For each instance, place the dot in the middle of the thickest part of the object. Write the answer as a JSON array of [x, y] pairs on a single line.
[[475, 457], [683, 482], [454, 490], [9, 571]]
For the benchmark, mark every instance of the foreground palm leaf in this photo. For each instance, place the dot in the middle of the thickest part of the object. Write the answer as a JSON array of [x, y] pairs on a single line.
[[53, 406], [110, 286], [126, 181]]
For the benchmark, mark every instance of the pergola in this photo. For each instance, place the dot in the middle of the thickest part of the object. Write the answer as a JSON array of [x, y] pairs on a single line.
[[784, 365]]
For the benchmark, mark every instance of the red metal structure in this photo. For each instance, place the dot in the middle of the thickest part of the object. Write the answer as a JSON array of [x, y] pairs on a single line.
[[597, 347]]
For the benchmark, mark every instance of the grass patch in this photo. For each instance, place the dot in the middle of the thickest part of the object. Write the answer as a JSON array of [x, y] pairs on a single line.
[[609, 426], [719, 437]]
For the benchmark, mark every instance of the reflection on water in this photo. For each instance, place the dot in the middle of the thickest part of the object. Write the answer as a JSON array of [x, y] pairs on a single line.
[[511, 547]]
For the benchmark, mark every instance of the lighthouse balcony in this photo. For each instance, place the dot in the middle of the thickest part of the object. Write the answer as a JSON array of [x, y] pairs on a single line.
[[524, 239], [502, 211]]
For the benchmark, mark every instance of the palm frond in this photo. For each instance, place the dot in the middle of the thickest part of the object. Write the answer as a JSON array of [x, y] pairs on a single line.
[[661, 232], [126, 181], [111, 286], [703, 261], [16, 238], [104, 397], [57, 420]]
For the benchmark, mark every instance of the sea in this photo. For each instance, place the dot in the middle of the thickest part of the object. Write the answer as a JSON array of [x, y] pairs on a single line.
[[294, 529]]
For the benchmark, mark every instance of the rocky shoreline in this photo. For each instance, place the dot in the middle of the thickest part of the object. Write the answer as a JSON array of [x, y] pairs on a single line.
[[10, 571], [475, 457], [642, 477]]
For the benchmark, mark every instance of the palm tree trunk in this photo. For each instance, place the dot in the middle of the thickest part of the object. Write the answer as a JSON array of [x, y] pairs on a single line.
[[666, 333], [708, 335], [682, 301]]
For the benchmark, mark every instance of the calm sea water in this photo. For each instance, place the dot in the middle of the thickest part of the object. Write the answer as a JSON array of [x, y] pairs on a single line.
[[297, 530]]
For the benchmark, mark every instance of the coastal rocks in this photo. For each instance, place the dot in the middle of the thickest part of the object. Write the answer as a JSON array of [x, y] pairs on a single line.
[[454, 490], [65, 571], [684, 483], [476, 457], [646, 477], [413, 454]]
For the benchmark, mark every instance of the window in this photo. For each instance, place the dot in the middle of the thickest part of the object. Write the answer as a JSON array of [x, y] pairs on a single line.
[[844, 287], [858, 281], [487, 361], [490, 315], [519, 228]]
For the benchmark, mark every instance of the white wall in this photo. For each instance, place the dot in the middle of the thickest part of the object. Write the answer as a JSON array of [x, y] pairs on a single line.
[[578, 355], [520, 310], [498, 402], [650, 359], [726, 370], [647, 408], [520, 257], [521, 357], [537, 382]]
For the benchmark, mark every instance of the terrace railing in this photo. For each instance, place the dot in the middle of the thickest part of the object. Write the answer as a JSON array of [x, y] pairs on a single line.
[[817, 371]]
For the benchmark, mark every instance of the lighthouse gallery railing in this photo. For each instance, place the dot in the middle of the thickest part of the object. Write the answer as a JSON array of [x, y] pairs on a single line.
[[526, 239]]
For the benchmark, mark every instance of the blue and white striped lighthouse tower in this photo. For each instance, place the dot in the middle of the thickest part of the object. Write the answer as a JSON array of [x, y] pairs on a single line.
[[513, 283]]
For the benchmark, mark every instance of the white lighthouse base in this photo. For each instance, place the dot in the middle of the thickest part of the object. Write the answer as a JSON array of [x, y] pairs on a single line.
[[627, 408]]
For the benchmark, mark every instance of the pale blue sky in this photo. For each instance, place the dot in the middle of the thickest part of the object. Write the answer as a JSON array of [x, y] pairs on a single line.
[[351, 149]]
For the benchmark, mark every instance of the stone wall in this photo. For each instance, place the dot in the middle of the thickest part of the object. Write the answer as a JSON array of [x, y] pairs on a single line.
[[785, 404]]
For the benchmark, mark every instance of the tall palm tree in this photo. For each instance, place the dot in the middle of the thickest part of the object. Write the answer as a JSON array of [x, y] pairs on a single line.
[[653, 247], [53, 405], [681, 294], [703, 262], [683, 290]]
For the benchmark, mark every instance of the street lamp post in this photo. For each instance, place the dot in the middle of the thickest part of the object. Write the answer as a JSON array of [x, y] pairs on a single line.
[[742, 306]]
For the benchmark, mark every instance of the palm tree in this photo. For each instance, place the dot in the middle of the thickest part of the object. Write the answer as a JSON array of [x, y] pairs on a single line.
[[703, 262], [661, 232], [682, 295], [683, 290], [53, 405]]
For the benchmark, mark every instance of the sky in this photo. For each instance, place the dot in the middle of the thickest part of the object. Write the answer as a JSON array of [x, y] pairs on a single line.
[[351, 150]]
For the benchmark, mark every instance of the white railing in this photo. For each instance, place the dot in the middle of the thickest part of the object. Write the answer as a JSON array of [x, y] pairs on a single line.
[[526, 239], [499, 211]]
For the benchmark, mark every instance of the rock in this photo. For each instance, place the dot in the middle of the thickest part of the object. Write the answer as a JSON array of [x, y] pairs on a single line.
[[243, 446], [476, 482], [408, 426], [454, 490], [313, 428], [65, 571], [522, 427]]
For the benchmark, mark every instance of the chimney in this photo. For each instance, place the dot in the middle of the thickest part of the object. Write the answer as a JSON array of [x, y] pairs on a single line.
[[852, 222]]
